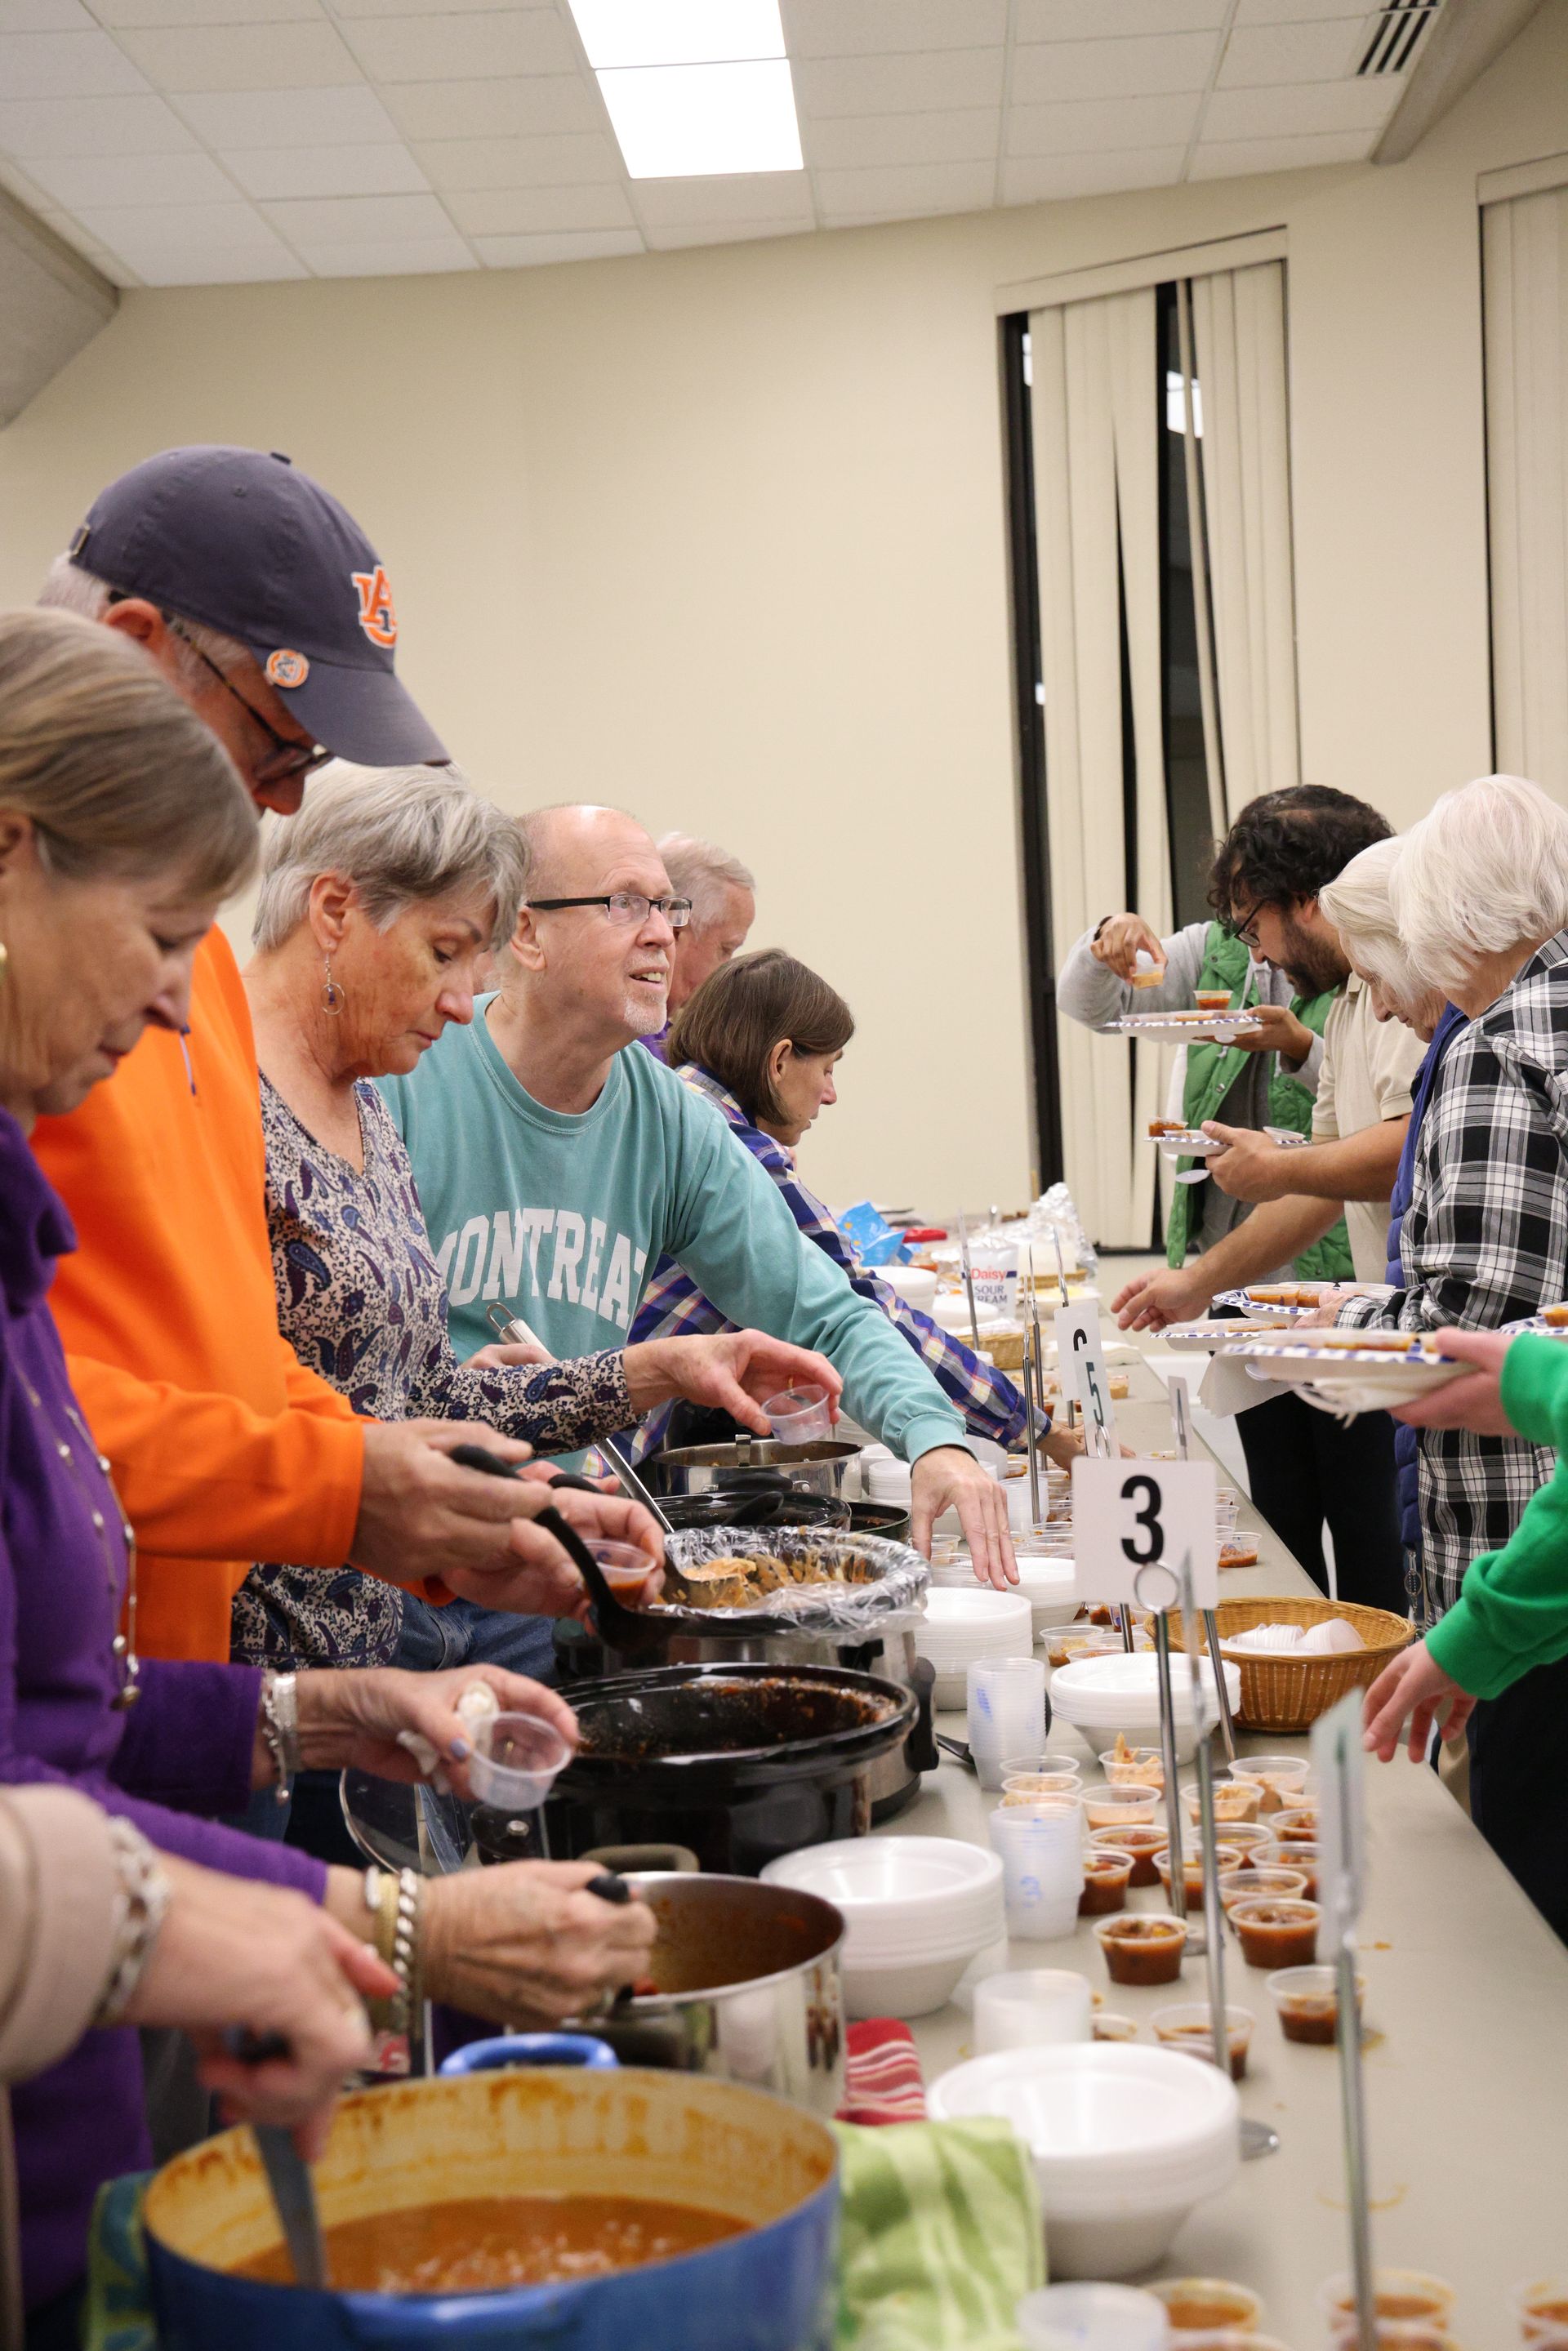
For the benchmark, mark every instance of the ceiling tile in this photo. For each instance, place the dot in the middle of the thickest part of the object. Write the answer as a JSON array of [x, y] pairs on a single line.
[[147, 234], [491, 109], [351, 116], [1316, 105], [201, 265], [1042, 179], [242, 57], [1228, 159], [1111, 123], [756, 196], [91, 126], [906, 190], [377, 258], [1052, 71], [851, 28], [559, 160], [45, 16], [1328, 51], [971, 136], [448, 49], [276, 173], [1090, 20], [899, 85], [354, 8], [26, 192], [67, 226], [140, 16], [65, 64], [1288, 12], [679, 234], [515, 211], [344, 220], [529, 252], [85, 179]]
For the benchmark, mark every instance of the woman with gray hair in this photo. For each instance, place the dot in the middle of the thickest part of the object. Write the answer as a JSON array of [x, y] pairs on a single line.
[[1480, 895], [378, 904]]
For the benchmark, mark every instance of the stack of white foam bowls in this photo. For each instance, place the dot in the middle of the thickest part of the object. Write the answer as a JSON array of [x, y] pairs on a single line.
[[1102, 1696], [914, 1283], [1050, 1587], [917, 1911], [1126, 2142], [1006, 1709], [1042, 1867], [965, 1623]]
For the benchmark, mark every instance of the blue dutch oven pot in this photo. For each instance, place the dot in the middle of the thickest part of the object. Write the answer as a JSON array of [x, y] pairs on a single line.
[[582, 2126]]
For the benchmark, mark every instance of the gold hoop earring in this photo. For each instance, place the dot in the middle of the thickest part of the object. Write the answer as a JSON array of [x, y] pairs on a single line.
[[332, 997]]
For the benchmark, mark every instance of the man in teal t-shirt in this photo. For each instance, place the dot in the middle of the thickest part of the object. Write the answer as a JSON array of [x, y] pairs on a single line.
[[555, 1166]]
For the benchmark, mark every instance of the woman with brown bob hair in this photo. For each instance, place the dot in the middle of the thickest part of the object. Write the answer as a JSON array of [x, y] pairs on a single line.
[[761, 1040]]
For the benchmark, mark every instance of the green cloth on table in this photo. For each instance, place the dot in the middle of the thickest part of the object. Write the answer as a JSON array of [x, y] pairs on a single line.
[[939, 2236], [1512, 1609]]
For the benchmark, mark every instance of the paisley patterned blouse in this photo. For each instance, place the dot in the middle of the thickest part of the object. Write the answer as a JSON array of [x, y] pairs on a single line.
[[360, 1301]]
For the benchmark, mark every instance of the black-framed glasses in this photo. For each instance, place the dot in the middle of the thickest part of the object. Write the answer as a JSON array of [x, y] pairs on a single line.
[[1241, 926], [287, 759], [624, 907]]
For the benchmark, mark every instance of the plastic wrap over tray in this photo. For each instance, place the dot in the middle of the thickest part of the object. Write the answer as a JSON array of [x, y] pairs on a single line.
[[870, 1582]]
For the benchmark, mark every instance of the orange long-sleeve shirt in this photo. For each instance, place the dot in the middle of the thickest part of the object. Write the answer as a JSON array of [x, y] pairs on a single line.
[[225, 1448]]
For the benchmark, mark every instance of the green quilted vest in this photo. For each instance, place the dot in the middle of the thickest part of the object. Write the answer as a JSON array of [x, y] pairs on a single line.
[[1213, 1069]]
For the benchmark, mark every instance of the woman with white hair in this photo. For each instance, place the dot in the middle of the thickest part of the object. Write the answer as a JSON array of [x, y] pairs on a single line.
[[1480, 893], [378, 903]]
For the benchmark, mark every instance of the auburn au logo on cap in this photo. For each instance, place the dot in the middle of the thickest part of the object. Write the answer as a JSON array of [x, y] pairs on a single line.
[[377, 617], [287, 668]]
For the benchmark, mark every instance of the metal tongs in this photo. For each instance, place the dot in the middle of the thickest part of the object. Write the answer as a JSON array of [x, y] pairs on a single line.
[[513, 1332], [619, 1627]]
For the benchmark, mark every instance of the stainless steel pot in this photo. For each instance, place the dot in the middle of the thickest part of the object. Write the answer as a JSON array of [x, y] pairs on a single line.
[[816, 1468], [750, 1988]]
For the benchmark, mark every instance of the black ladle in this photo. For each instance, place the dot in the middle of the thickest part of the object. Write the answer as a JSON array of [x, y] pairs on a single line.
[[618, 1627]]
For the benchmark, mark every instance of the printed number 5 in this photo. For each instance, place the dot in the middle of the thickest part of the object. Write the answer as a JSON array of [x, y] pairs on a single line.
[[1096, 1400], [1149, 1518]]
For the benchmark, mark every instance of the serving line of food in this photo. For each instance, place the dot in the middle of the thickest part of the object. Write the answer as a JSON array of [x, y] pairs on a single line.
[[1464, 2015]]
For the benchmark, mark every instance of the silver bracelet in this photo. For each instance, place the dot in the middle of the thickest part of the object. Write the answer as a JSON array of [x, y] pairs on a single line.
[[280, 1728], [141, 1904]]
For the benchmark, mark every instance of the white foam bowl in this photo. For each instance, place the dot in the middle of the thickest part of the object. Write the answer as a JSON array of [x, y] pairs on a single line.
[[950, 1311], [917, 1910], [1126, 2142], [912, 1282], [1050, 1587], [1121, 1693], [967, 1622]]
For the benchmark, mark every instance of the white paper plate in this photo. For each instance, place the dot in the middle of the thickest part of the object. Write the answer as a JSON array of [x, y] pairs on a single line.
[[1538, 1326], [1190, 1143], [1197, 1028], [1195, 1337], [1345, 1381]]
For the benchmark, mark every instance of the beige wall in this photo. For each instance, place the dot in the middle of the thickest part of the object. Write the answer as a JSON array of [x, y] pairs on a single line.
[[719, 535]]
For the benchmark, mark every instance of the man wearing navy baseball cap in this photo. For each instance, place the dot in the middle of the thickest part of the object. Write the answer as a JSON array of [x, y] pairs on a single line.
[[271, 613]]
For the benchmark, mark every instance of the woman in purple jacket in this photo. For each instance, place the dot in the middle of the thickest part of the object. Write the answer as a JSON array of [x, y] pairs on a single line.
[[121, 826]]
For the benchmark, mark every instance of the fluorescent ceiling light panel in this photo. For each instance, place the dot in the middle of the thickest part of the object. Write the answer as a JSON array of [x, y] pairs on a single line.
[[689, 123], [696, 89], [678, 32]]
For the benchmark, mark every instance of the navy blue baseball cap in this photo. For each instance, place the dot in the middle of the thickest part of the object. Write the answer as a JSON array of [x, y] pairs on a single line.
[[242, 543]]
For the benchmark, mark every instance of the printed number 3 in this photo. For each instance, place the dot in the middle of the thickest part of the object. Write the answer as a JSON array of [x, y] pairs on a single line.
[[1149, 1518]]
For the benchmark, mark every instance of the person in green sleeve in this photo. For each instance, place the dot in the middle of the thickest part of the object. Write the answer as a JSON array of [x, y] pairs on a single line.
[[555, 1164], [1512, 1609]]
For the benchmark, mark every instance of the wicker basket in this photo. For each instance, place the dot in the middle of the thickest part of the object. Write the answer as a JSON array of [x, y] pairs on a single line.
[[1285, 1693]]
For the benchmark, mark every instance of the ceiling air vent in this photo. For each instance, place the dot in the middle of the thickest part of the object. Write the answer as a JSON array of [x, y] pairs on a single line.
[[1401, 28]]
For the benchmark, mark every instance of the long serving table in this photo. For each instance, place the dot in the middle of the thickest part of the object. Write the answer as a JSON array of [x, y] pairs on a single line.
[[1465, 2016]]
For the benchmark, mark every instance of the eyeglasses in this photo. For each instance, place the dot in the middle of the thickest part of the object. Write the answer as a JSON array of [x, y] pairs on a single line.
[[624, 907], [1241, 926], [288, 759]]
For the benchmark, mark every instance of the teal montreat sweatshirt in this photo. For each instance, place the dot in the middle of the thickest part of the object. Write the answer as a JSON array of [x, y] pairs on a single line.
[[563, 1219], [1512, 1610]]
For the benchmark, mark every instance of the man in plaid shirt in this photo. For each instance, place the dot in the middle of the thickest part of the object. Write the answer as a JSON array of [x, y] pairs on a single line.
[[672, 1304]]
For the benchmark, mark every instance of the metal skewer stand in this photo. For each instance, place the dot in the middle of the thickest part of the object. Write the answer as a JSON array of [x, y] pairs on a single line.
[[1213, 1915], [1036, 1517], [1337, 1759], [968, 1279], [1161, 1594], [1181, 1410]]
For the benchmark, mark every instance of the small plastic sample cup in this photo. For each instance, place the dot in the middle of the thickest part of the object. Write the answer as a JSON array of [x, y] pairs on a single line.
[[1540, 2304], [800, 1416], [1307, 2000], [1107, 1874], [1040, 1783], [1146, 972], [1280, 1777], [1092, 2318], [1192, 1875], [1400, 2297], [1234, 1800], [1115, 1808], [1110, 2026], [1049, 1760], [1211, 1000], [1143, 1950], [1303, 1859], [516, 1760], [1031, 2008], [625, 1567], [1051, 1805], [1278, 1934], [1246, 1839], [1140, 1767], [1261, 1885], [1186, 2025], [1142, 1840], [1299, 1826], [1206, 2305]]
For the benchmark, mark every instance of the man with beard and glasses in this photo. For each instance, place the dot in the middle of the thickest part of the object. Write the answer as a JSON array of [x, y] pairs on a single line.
[[1281, 851]]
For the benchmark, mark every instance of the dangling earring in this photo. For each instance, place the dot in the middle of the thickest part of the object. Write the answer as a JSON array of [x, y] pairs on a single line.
[[4, 958], [332, 997]]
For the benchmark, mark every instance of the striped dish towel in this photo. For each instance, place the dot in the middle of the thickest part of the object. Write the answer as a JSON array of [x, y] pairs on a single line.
[[882, 2081]]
